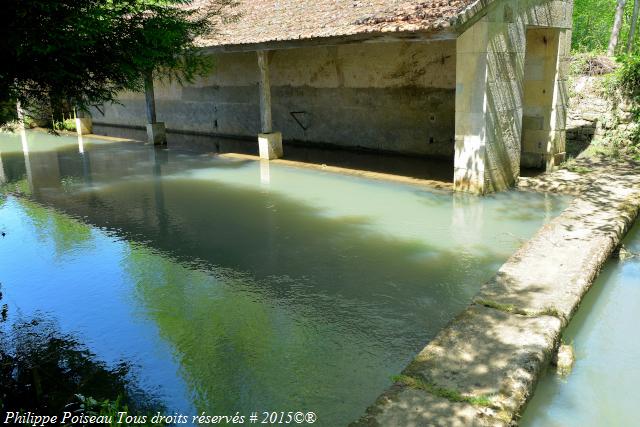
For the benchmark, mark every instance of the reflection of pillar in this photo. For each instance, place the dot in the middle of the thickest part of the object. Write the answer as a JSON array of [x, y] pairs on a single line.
[[86, 168], [25, 147], [156, 133], [160, 157], [265, 172], [80, 143], [27, 166], [269, 142], [3, 178], [467, 220]]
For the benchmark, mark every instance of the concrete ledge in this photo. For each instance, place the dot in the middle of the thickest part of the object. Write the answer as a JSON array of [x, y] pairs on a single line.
[[270, 145], [551, 273], [156, 133], [502, 354], [409, 407], [426, 183]]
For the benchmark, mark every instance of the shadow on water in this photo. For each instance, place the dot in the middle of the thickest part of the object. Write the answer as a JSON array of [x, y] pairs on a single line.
[[415, 166], [267, 301]]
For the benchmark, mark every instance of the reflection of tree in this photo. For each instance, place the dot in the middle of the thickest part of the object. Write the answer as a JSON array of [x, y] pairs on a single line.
[[65, 232], [42, 370]]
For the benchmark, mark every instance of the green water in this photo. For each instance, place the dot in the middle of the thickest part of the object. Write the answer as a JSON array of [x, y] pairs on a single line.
[[602, 389], [233, 285]]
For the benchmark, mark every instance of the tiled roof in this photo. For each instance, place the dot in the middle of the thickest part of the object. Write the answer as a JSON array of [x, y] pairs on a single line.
[[263, 21]]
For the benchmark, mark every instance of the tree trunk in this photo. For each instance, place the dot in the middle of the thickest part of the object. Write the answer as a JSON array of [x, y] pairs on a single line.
[[634, 21], [617, 25]]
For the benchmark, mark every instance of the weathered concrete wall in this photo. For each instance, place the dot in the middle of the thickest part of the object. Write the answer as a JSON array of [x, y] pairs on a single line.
[[384, 96], [490, 90]]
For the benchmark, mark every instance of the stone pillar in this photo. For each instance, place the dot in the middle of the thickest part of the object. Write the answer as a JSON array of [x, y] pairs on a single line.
[[489, 57], [156, 132], [545, 98], [23, 132], [84, 123], [269, 142]]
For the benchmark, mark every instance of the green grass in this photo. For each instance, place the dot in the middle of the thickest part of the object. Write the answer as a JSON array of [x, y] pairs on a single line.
[[452, 395]]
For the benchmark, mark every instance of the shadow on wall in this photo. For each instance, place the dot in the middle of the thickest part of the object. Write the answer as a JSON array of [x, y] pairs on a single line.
[[579, 138]]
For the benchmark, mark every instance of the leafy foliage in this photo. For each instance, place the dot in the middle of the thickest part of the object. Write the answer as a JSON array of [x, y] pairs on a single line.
[[592, 22], [628, 77], [78, 53]]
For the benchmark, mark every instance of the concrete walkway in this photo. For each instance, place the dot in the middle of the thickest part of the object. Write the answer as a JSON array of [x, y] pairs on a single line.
[[483, 367]]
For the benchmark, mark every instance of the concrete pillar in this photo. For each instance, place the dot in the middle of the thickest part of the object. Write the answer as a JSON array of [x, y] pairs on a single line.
[[543, 128], [23, 131], [489, 58], [84, 123], [156, 132], [269, 142]]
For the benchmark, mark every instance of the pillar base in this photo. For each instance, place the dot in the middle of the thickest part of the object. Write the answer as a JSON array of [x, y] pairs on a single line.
[[84, 125], [156, 133], [270, 145], [546, 162]]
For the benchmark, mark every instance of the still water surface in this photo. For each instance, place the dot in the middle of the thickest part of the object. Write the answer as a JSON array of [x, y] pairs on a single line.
[[234, 285], [602, 389]]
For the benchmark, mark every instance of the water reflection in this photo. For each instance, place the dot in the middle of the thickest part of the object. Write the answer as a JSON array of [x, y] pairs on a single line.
[[46, 371], [308, 296], [601, 390]]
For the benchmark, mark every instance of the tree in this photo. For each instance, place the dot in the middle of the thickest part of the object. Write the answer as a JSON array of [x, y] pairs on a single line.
[[617, 26], [632, 30], [82, 53]]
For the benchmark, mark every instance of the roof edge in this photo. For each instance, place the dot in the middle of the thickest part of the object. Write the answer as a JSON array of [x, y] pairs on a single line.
[[446, 33]]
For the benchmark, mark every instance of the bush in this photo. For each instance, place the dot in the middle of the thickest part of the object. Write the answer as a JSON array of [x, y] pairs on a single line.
[[628, 78], [67, 124]]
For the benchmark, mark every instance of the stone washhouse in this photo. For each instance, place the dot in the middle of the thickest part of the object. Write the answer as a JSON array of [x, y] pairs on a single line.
[[482, 82]]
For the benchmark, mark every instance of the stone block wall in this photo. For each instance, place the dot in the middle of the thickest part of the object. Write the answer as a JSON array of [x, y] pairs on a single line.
[[490, 91]]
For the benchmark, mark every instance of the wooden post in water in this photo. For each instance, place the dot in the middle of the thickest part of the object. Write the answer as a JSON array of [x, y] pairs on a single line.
[[156, 133], [269, 142]]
